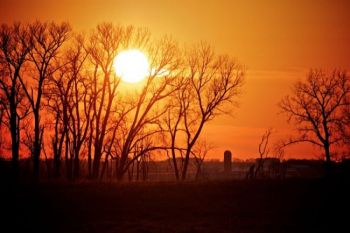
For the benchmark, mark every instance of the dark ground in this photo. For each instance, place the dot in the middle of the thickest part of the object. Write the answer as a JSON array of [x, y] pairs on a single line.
[[230, 206]]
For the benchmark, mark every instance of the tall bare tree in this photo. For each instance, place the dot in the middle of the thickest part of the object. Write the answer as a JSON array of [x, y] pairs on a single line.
[[80, 100], [316, 109], [57, 104], [59, 92], [213, 83], [178, 104], [143, 121], [14, 48], [71, 104], [105, 43], [47, 40]]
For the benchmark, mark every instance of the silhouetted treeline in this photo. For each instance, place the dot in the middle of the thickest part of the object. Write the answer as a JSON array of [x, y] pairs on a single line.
[[60, 98]]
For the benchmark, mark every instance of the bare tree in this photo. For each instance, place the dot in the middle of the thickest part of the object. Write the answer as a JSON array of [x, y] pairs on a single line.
[[200, 151], [316, 109], [47, 39], [213, 83], [177, 105], [70, 101], [144, 120], [14, 48], [80, 106], [1, 123], [59, 95], [58, 109], [264, 151], [105, 43], [113, 147]]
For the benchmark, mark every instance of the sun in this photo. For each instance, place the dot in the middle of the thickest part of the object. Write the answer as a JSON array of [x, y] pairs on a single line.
[[131, 65]]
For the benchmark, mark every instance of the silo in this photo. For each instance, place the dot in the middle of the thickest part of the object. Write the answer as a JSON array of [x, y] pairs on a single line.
[[227, 161]]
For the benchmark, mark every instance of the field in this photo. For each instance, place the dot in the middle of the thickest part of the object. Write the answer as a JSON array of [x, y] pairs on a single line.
[[228, 206]]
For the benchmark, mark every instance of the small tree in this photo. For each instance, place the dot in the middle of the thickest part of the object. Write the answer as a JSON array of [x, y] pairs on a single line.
[[264, 151], [200, 151]]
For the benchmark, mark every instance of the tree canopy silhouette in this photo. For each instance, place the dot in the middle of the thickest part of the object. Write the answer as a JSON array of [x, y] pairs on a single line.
[[316, 109], [64, 85]]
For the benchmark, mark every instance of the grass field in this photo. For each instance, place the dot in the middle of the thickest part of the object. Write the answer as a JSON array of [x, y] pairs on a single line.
[[230, 206]]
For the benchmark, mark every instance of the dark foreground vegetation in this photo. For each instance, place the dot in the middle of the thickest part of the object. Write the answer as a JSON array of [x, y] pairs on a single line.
[[293, 205]]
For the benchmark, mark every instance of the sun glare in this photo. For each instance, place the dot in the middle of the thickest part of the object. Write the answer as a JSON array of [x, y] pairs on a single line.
[[131, 65]]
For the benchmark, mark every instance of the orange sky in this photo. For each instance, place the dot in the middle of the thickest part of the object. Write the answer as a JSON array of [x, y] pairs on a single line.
[[277, 41]]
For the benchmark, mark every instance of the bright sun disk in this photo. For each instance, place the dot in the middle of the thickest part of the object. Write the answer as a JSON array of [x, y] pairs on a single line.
[[131, 65]]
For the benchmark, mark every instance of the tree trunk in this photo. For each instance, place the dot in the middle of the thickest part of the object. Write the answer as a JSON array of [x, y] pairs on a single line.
[[89, 163], [105, 165], [90, 149], [36, 145], [116, 167], [57, 149], [186, 162], [144, 170], [327, 153], [328, 158], [67, 159], [57, 166], [96, 164], [174, 160], [189, 148], [199, 171], [121, 165], [76, 171], [15, 143]]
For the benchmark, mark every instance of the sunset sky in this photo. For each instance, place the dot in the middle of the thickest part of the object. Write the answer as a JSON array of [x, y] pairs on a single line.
[[277, 42]]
